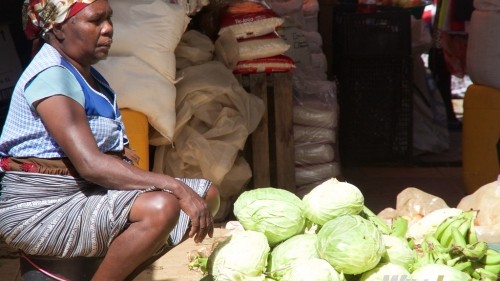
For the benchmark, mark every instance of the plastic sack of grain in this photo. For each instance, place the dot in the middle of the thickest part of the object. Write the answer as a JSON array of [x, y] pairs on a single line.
[[263, 46], [230, 50], [249, 19], [310, 134], [193, 49], [310, 116], [313, 173], [313, 153], [149, 30], [279, 63]]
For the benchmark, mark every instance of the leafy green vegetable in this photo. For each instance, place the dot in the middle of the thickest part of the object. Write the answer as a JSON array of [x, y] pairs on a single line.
[[431, 272], [351, 244], [301, 246], [385, 272], [398, 251], [242, 256], [312, 269], [277, 213], [331, 199]]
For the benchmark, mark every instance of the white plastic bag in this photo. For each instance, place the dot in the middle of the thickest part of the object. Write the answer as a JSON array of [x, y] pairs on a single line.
[[486, 199]]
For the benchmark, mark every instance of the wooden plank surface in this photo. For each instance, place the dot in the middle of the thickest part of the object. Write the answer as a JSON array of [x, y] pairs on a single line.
[[283, 135], [272, 148]]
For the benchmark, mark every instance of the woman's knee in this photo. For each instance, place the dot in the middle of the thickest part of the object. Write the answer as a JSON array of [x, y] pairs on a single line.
[[213, 199], [157, 208]]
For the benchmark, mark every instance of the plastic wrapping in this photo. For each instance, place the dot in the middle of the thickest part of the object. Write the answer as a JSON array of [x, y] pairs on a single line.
[[315, 115], [315, 173], [315, 153], [249, 19], [215, 116], [486, 199], [231, 50], [193, 49], [305, 134], [413, 204], [279, 63]]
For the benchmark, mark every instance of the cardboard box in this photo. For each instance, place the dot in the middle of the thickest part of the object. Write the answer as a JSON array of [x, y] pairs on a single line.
[[10, 65]]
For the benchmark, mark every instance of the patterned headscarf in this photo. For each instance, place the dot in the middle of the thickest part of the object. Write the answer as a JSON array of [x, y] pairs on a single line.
[[39, 16]]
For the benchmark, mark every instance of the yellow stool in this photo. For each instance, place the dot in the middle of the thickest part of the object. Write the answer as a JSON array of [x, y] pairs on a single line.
[[137, 129], [480, 135]]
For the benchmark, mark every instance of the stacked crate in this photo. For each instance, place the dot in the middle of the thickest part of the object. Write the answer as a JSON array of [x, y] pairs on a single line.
[[372, 63]]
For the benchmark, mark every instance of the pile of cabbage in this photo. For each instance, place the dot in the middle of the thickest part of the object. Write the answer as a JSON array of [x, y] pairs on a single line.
[[328, 235]]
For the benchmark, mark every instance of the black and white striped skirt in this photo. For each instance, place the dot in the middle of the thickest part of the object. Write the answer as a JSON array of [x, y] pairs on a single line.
[[53, 215]]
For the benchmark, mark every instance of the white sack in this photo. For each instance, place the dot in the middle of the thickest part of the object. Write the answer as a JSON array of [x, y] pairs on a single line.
[[483, 49], [141, 62], [309, 116], [149, 30], [215, 116], [141, 88], [486, 200], [310, 134], [193, 49], [313, 173], [315, 153], [285, 7]]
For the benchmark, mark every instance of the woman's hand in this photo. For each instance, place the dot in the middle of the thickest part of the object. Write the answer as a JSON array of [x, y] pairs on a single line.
[[197, 209]]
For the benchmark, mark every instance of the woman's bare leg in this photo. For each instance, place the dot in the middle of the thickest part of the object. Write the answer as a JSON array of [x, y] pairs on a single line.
[[213, 201], [153, 216]]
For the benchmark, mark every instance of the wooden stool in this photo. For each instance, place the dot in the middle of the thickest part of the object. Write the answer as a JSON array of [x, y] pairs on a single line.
[[42, 268], [271, 144]]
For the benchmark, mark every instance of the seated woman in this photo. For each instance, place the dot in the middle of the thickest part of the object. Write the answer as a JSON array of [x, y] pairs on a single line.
[[69, 188]]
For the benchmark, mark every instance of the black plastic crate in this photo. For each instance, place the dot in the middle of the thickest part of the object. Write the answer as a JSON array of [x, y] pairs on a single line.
[[386, 32], [375, 99]]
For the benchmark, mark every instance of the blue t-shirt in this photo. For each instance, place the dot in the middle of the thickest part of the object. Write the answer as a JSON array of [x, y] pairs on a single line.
[[42, 86]]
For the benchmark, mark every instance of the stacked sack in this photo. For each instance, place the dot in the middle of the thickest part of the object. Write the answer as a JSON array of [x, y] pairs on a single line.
[[300, 30], [141, 61], [315, 109], [247, 39], [315, 120]]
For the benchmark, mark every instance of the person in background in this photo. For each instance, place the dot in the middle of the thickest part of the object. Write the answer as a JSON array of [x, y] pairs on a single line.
[[455, 15], [70, 187]]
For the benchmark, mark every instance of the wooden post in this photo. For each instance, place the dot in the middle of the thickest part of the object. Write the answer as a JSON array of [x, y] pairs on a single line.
[[272, 147]]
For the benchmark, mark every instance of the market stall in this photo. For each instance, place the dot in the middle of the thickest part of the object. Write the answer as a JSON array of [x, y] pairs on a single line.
[[247, 103], [330, 234]]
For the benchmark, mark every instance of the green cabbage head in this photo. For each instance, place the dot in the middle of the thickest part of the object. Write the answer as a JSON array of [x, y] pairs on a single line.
[[277, 213], [312, 269], [351, 244], [441, 272], [241, 257], [331, 199], [301, 246], [398, 251], [386, 272]]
